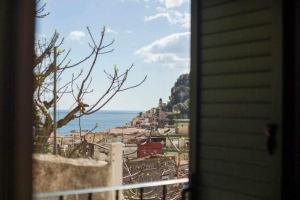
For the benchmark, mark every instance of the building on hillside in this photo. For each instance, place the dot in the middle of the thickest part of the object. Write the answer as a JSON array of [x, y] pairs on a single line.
[[150, 149], [93, 137], [182, 157], [182, 126], [161, 105], [179, 141]]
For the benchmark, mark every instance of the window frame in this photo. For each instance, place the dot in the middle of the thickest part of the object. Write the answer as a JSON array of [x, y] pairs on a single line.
[[16, 53], [16, 80]]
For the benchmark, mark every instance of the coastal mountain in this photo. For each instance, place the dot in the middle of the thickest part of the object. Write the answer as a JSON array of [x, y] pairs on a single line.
[[180, 95]]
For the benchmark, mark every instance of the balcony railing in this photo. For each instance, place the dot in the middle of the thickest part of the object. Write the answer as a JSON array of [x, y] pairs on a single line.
[[116, 189]]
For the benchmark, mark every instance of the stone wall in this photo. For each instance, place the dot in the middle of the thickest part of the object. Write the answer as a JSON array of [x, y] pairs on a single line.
[[54, 173]]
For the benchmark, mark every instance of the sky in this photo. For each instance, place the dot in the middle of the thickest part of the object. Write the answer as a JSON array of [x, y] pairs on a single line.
[[154, 35]]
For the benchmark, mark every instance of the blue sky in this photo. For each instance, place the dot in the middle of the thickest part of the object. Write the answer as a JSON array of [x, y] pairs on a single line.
[[153, 35]]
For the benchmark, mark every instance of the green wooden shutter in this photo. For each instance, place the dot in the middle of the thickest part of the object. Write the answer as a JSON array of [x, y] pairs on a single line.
[[240, 94]]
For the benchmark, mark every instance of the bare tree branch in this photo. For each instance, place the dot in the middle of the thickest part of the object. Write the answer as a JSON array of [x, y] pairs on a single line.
[[78, 86], [40, 11]]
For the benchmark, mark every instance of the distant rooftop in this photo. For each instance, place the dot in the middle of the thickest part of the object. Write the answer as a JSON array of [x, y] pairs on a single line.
[[182, 120]]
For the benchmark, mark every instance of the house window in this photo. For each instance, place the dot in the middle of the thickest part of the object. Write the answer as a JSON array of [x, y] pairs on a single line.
[[16, 103]]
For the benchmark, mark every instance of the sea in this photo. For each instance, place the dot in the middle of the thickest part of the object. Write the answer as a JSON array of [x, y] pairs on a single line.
[[104, 119]]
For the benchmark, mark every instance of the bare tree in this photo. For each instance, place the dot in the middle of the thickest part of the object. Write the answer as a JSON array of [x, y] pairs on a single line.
[[78, 86]]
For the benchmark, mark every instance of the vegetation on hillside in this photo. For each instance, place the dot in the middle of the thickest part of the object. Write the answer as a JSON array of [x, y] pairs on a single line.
[[179, 100]]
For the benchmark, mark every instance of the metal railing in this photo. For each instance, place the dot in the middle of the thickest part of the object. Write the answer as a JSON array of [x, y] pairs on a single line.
[[116, 189]]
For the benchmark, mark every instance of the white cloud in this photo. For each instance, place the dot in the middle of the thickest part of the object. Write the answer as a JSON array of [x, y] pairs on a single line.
[[186, 70], [171, 51], [39, 36], [174, 3], [76, 35], [109, 30], [166, 3], [173, 17], [160, 9]]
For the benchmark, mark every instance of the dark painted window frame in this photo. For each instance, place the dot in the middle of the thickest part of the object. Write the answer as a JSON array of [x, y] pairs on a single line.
[[16, 53], [291, 100], [16, 80], [195, 137]]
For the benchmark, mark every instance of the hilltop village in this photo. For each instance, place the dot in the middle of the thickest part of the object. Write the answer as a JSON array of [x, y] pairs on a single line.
[[154, 144], [150, 135], [155, 147]]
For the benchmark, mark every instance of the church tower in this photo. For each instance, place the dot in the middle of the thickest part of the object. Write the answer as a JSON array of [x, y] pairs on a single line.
[[160, 103]]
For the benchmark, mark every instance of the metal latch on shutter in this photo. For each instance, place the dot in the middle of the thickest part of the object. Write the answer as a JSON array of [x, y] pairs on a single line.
[[270, 132]]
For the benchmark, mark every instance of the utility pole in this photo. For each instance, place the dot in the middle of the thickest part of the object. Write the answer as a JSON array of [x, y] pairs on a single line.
[[55, 99], [79, 123]]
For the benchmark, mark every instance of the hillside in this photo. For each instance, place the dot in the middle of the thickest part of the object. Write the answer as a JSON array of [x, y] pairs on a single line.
[[180, 95]]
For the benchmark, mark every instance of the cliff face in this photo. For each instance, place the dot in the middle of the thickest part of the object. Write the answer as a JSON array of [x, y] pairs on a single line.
[[180, 95]]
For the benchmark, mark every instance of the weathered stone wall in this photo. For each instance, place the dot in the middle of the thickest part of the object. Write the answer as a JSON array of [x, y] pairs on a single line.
[[55, 173], [130, 151]]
